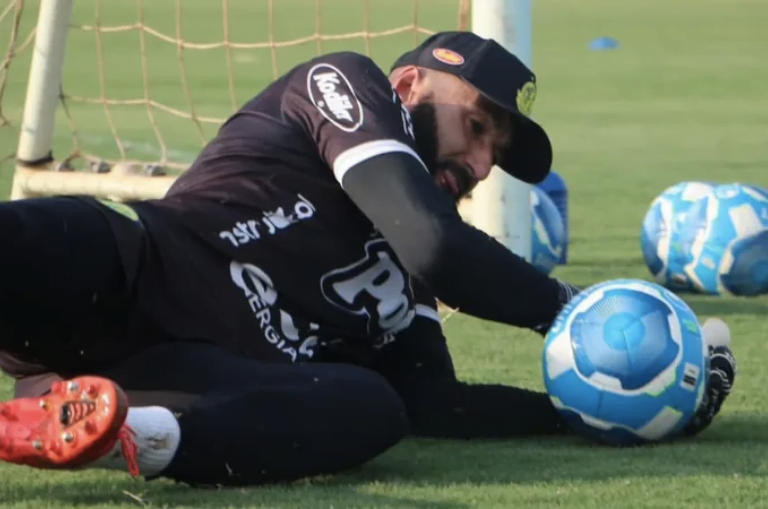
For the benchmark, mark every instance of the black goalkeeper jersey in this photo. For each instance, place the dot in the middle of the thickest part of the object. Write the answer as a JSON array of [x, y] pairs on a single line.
[[258, 246]]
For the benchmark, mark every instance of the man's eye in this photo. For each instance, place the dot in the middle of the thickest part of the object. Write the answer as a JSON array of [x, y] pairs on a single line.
[[478, 127]]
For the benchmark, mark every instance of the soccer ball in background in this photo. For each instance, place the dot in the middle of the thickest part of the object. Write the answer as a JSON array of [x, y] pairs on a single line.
[[625, 363], [667, 233], [728, 241], [547, 230]]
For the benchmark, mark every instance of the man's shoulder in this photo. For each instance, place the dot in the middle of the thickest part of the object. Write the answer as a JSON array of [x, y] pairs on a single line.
[[347, 59], [329, 82], [348, 69], [349, 90]]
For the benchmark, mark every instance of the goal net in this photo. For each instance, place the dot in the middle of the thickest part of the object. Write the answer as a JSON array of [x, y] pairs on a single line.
[[146, 83], [115, 98]]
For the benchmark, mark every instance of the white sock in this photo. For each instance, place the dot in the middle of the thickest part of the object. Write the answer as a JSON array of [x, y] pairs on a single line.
[[156, 435]]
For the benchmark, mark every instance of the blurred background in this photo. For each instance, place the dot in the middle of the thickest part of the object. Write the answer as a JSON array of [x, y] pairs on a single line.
[[636, 96], [678, 93]]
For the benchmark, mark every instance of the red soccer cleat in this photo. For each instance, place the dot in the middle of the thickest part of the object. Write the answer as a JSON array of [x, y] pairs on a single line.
[[76, 423]]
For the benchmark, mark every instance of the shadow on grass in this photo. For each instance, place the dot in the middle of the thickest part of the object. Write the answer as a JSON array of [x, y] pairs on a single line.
[[603, 265], [109, 490], [735, 445]]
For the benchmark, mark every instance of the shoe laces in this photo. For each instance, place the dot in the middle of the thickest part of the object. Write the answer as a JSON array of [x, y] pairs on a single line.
[[129, 449]]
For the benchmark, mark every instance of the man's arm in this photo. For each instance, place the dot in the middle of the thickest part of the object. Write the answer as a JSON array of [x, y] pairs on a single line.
[[367, 141], [419, 366], [464, 267]]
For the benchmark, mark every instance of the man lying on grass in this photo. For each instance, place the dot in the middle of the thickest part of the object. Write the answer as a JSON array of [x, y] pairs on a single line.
[[274, 316]]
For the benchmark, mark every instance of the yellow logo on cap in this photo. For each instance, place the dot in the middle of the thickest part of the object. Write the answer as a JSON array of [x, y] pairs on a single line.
[[447, 56], [526, 96]]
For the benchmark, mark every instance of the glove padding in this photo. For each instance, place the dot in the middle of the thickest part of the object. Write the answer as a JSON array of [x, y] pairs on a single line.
[[567, 292], [722, 374]]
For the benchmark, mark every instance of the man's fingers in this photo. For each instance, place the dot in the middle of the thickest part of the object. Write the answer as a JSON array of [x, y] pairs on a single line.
[[725, 382]]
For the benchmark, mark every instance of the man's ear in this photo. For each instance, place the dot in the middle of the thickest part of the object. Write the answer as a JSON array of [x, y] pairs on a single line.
[[406, 81]]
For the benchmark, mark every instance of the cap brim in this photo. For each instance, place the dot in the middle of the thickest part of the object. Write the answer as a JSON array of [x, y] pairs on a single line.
[[529, 157]]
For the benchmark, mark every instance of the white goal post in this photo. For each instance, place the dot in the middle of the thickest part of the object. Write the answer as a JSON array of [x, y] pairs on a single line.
[[500, 206]]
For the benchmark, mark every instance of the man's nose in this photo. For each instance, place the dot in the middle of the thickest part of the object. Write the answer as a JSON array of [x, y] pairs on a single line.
[[481, 162]]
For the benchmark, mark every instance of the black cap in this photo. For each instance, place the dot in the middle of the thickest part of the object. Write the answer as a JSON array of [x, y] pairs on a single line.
[[503, 79]]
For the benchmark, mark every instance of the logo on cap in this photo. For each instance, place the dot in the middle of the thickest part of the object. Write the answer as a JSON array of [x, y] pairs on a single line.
[[447, 56], [526, 96]]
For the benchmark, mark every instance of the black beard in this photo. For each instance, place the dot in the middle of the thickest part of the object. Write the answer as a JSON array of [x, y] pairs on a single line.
[[425, 131]]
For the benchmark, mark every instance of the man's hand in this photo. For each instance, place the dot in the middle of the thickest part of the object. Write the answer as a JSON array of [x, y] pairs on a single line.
[[567, 292], [722, 374]]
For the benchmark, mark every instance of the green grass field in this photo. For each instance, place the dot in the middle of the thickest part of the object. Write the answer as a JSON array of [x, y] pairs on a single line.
[[684, 97]]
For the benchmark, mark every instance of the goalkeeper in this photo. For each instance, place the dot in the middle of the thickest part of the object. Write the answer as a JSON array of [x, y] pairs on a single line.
[[274, 316]]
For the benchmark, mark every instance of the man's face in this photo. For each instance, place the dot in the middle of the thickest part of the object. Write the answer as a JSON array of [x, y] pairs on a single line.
[[458, 133]]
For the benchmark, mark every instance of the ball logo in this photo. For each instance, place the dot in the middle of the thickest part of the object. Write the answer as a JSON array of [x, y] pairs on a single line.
[[447, 56], [332, 94], [526, 96]]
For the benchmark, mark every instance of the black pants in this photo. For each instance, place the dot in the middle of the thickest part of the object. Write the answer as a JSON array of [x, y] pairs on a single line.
[[242, 421], [62, 277], [246, 422]]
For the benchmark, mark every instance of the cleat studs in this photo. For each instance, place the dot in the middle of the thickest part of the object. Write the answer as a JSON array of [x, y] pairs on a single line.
[[73, 386], [38, 445], [55, 448], [92, 391], [7, 412], [43, 404], [67, 437]]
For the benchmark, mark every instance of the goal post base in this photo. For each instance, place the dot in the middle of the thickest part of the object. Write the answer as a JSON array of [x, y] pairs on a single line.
[[114, 185]]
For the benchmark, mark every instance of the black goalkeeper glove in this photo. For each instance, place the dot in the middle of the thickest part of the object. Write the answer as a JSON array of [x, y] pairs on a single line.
[[567, 292], [722, 374]]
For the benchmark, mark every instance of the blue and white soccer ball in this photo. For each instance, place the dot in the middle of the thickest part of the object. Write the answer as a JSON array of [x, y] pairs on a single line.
[[667, 234], [625, 363], [547, 231], [726, 235]]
